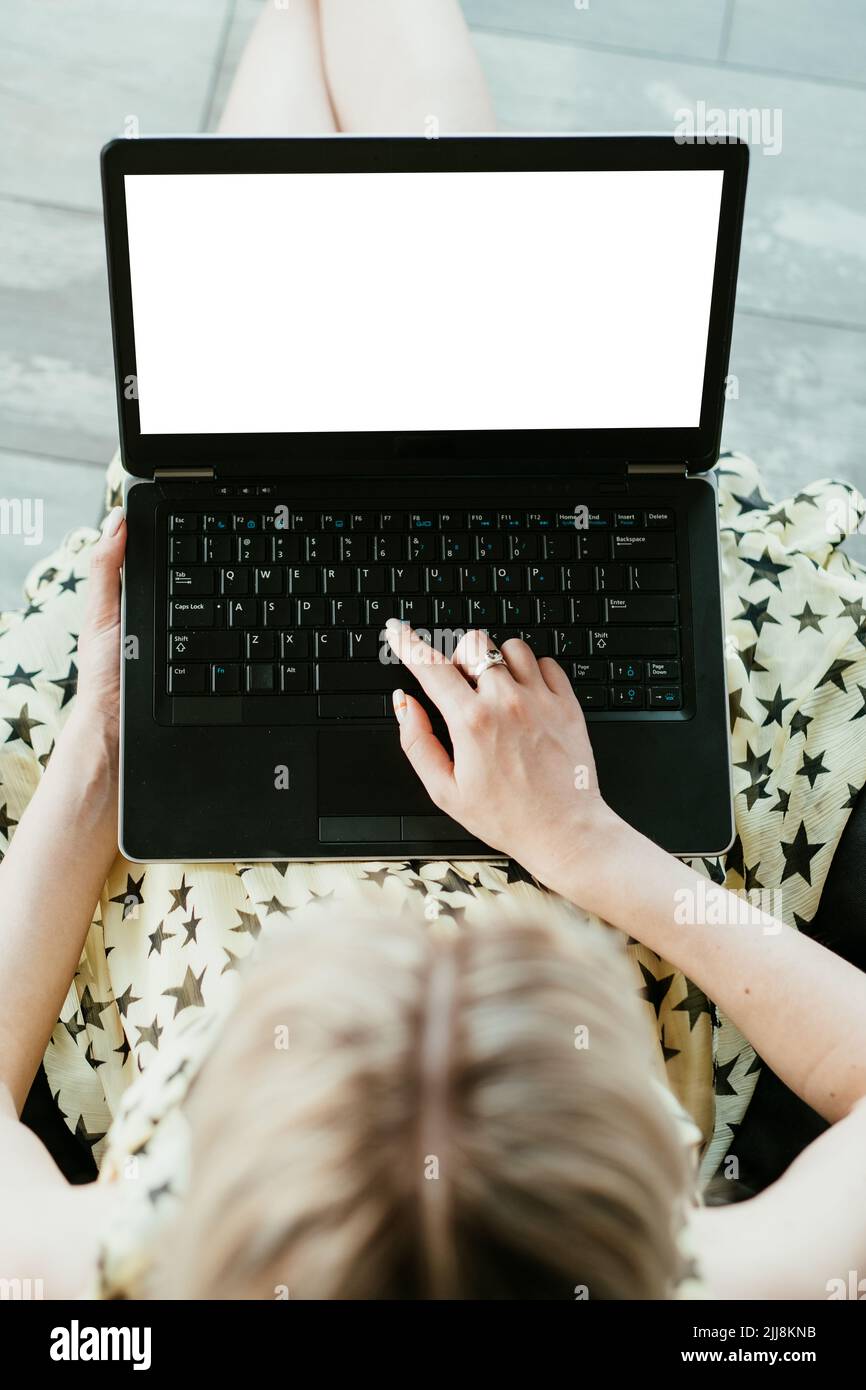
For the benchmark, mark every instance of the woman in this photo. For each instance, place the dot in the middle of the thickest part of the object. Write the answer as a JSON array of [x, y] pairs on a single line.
[[484, 1028], [393, 1112]]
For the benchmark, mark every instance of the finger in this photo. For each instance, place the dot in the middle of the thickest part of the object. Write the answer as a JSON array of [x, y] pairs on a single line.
[[522, 661], [422, 747], [472, 648], [106, 559], [554, 677], [433, 672]]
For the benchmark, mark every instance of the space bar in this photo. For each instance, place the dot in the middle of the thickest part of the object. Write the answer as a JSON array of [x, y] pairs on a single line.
[[340, 676]]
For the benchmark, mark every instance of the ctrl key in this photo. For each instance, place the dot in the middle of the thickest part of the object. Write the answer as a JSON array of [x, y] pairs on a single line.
[[187, 680]]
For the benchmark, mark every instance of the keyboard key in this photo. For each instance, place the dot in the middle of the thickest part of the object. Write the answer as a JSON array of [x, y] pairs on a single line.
[[295, 678], [482, 521], [440, 579], [346, 612], [637, 641], [423, 547], [588, 671], [570, 642], [242, 612], [187, 680], [642, 608], [261, 646], [511, 521], [660, 518], [654, 578], [269, 581], [539, 521], [196, 645], [452, 521], [507, 579], [320, 550], [415, 611], [405, 579], [235, 581], [295, 645], [665, 697], [489, 547], [481, 612], [248, 521], [364, 645], [371, 580], [218, 521], [524, 546], [559, 545], [192, 581], [195, 613], [456, 547], [184, 521], [352, 706], [388, 548], [184, 550], [474, 579], [663, 671], [335, 521], [553, 610], [253, 550], [312, 612], [611, 577], [219, 550], [354, 549], [627, 696], [539, 639], [282, 612], [591, 696], [585, 609], [643, 545], [337, 579], [331, 645], [516, 612], [576, 579], [542, 578], [379, 610], [391, 521], [363, 521], [626, 670], [225, 679], [629, 520], [303, 580], [260, 680], [285, 548], [422, 521], [593, 546]]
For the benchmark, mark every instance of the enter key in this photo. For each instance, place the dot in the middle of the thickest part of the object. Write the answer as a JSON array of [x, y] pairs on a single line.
[[642, 608]]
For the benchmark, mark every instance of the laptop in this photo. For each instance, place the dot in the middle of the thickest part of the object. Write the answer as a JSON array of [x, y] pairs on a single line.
[[472, 382]]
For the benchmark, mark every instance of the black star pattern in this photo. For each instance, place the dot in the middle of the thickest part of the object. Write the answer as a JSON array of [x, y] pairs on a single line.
[[56, 1099], [799, 723], [750, 877], [734, 857], [232, 962], [6, 821], [695, 1004], [249, 923], [70, 583], [124, 1051], [375, 876], [73, 1027], [852, 608], [191, 927], [47, 575], [782, 803], [151, 1034], [668, 1052], [799, 855], [835, 675], [132, 899], [22, 726], [721, 1073], [180, 895], [91, 1058], [853, 793], [765, 568], [750, 661], [187, 995], [812, 768], [714, 870], [21, 677], [32, 609], [756, 613], [156, 939], [319, 899], [775, 708], [515, 873], [84, 1134], [780, 517], [68, 684], [754, 1066], [654, 990], [862, 710], [756, 764], [735, 706], [91, 1008], [126, 1000], [753, 503], [809, 619], [806, 497], [273, 904]]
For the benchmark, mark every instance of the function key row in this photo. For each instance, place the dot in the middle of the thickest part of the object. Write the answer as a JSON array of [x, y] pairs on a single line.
[[282, 518], [390, 548]]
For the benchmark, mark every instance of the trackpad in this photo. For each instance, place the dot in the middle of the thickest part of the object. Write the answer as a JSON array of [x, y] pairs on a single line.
[[364, 772]]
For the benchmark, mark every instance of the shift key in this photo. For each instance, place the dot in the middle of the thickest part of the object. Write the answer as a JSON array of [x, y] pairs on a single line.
[[632, 641]]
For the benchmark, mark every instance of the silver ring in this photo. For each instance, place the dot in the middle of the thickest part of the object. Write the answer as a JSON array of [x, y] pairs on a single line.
[[491, 658]]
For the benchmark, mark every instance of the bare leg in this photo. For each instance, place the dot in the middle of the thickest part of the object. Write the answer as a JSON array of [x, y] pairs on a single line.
[[397, 65], [279, 87]]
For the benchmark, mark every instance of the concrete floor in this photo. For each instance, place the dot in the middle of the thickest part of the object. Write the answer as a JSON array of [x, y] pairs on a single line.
[[72, 76]]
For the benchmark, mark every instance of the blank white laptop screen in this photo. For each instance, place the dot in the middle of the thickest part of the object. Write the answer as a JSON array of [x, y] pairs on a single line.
[[421, 301]]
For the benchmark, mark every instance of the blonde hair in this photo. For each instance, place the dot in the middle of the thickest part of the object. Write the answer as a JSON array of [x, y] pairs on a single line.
[[393, 1114]]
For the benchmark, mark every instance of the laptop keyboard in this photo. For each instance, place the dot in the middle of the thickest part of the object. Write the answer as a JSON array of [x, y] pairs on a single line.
[[272, 604]]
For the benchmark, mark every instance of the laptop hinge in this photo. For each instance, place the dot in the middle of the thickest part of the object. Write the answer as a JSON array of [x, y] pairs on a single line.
[[170, 474], [644, 468]]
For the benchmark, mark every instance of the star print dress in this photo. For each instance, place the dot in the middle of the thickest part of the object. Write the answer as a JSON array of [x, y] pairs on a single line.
[[160, 963]]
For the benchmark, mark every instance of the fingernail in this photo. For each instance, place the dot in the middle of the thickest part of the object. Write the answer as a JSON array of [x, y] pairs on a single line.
[[400, 705], [111, 524]]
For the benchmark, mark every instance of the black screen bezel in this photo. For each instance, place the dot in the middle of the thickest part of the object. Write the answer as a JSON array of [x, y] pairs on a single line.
[[422, 453]]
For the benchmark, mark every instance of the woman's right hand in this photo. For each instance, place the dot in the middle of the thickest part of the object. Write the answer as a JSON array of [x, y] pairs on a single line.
[[523, 777]]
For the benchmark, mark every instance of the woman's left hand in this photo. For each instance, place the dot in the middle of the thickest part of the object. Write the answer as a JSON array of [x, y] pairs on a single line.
[[98, 698]]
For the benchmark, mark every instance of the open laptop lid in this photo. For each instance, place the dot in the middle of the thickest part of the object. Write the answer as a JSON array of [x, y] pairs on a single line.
[[401, 306]]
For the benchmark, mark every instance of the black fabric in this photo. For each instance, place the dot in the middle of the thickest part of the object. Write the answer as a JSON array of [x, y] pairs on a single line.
[[41, 1114], [778, 1125]]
